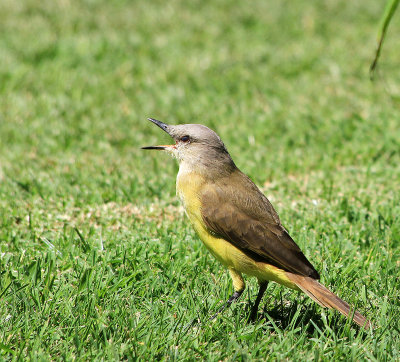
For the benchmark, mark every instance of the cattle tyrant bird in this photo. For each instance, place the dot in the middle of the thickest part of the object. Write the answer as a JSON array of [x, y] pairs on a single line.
[[237, 223]]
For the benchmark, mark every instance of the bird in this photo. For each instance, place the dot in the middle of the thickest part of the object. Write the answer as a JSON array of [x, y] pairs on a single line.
[[237, 223]]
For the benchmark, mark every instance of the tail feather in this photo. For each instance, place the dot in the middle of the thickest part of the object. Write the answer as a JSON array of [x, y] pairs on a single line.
[[325, 298]]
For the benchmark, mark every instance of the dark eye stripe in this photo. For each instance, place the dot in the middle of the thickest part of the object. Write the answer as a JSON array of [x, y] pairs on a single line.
[[185, 138]]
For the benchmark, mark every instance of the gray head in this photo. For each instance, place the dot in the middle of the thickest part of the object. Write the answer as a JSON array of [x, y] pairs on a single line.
[[194, 144]]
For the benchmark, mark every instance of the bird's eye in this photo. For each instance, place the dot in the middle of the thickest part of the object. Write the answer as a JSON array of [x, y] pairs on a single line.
[[185, 139]]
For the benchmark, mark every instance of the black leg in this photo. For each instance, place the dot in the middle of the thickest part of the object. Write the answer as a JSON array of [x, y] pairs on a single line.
[[235, 296], [261, 291]]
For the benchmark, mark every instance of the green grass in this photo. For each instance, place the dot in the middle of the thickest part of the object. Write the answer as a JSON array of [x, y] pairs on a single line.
[[97, 259]]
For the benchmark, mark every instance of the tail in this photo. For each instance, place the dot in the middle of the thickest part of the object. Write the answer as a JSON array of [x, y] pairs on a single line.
[[325, 298]]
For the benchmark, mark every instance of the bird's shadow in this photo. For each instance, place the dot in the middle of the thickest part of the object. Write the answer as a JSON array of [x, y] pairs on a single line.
[[290, 316], [309, 318], [282, 316]]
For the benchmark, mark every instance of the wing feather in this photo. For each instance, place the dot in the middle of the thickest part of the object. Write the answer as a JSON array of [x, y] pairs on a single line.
[[241, 214]]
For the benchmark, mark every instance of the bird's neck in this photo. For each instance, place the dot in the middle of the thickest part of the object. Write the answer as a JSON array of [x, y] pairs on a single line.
[[210, 168]]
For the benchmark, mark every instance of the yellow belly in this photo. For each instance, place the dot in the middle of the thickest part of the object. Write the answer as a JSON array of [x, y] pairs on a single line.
[[187, 189]]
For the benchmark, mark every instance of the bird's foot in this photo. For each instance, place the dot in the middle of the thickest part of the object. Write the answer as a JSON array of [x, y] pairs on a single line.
[[233, 298]]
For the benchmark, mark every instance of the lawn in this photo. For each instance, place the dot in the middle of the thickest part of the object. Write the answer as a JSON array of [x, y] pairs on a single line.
[[97, 259]]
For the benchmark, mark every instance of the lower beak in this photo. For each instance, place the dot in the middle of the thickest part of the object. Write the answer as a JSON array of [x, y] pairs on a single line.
[[161, 147]]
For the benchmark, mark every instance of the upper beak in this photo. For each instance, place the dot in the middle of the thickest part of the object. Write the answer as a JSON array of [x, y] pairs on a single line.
[[164, 127]]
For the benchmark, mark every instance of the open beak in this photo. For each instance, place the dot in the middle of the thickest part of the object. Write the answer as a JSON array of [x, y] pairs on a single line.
[[164, 127]]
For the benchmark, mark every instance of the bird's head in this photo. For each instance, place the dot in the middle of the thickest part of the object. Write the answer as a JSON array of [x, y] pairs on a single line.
[[194, 144]]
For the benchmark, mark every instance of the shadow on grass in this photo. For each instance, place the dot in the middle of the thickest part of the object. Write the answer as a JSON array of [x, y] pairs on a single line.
[[287, 316], [282, 316], [309, 319]]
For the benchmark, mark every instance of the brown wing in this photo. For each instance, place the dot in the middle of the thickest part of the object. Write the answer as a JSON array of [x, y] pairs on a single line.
[[241, 214]]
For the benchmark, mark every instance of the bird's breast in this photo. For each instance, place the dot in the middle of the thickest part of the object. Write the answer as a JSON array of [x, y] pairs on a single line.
[[188, 187]]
